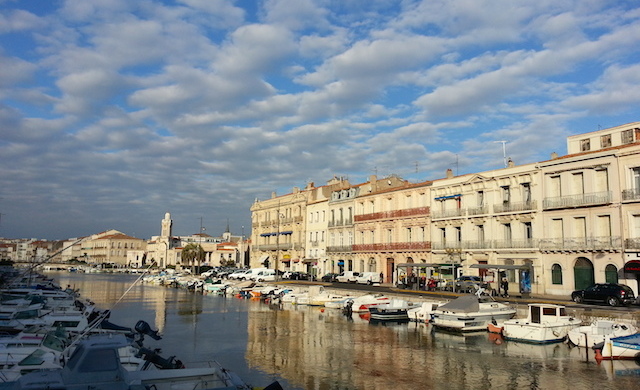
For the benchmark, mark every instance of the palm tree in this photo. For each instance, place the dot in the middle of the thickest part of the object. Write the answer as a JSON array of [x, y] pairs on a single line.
[[193, 253]]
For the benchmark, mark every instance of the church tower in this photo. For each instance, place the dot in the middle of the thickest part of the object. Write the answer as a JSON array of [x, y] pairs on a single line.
[[166, 226]]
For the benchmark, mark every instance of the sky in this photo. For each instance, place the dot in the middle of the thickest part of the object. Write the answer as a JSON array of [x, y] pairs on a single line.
[[114, 112]]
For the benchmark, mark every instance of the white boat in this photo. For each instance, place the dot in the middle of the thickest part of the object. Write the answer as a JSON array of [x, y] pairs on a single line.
[[423, 312], [393, 310], [364, 302], [625, 347], [545, 323], [589, 335], [96, 362], [470, 313]]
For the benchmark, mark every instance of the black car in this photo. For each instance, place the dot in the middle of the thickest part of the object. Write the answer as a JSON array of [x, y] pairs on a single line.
[[330, 277], [613, 294]]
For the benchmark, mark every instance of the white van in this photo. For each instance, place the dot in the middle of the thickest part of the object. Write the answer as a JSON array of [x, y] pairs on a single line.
[[368, 278], [267, 275], [347, 277], [250, 275]]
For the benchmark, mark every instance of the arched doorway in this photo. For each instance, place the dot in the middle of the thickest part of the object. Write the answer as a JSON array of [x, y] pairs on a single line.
[[583, 273], [611, 274]]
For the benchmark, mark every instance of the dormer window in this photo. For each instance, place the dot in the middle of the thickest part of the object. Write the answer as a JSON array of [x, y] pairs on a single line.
[[585, 145]]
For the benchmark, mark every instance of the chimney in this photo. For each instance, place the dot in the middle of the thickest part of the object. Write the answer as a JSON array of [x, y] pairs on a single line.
[[510, 163], [449, 173], [554, 155], [273, 195]]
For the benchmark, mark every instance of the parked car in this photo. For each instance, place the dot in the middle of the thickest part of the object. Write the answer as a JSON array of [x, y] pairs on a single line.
[[368, 278], [238, 274], [347, 277], [296, 275], [465, 284], [330, 277], [613, 294]]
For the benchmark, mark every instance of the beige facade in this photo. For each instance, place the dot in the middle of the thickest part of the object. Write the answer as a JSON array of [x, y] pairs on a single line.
[[278, 230], [392, 228], [548, 227]]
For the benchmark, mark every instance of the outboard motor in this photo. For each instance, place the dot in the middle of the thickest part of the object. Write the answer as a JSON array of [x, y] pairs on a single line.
[[143, 328]]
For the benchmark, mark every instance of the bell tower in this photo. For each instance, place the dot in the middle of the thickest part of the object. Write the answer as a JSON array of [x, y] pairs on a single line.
[[166, 225]]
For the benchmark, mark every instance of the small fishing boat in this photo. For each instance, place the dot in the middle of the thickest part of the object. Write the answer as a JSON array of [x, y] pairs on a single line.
[[393, 310], [423, 312], [470, 313], [625, 347], [545, 323], [590, 335]]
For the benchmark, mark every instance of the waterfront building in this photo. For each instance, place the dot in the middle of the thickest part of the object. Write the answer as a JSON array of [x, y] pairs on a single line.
[[392, 230], [547, 227], [278, 230]]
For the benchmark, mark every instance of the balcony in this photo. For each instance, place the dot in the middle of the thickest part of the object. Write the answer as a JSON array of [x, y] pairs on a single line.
[[515, 244], [633, 194], [511, 207], [448, 213], [581, 244], [341, 222], [632, 243], [477, 210], [417, 211], [580, 200], [339, 249], [273, 247], [392, 246]]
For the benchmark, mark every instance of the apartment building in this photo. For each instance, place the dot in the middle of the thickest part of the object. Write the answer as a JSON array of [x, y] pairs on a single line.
[[548, 227], [278, 232], [392, 230]]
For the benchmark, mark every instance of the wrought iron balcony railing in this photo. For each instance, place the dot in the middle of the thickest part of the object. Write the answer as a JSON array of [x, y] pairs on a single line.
[[579, 200]]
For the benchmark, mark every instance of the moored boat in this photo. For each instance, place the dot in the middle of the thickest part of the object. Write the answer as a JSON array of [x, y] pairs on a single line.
[[423, 312], [624, 347], [590, 335], [393, 310], [470, 313], [545, 323]]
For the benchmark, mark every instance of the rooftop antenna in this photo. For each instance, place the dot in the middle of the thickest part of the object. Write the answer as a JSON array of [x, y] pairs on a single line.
[[504, 152]]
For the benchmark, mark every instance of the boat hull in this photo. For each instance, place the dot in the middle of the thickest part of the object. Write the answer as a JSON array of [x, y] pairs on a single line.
[[625, 347], [468, 322]]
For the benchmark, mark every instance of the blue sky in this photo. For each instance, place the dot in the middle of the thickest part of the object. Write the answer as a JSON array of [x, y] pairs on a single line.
[[113, 112]]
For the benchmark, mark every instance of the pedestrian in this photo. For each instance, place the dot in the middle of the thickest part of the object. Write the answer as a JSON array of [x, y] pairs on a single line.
[[505, 287], [381, 277]]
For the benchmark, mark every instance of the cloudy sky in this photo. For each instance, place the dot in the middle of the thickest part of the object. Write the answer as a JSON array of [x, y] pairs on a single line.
[[113, 112]]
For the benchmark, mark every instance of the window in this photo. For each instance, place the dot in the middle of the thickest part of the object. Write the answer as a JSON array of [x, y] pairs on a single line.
[[578, 183], [458, 231], [605, 141], [556, 274], [635, 179], [528, 231], [627, 136], [480, 198], [585, 145], [507, 232], [443, 235], [526, 192], [506, 194], [389, 236], [409, 238], [480, 233]]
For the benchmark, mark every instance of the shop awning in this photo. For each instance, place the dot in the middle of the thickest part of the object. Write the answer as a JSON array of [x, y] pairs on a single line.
[[263, 258], [632, 267], [448, 197]]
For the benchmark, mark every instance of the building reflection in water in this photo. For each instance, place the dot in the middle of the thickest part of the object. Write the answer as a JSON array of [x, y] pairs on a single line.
[[320, 349]]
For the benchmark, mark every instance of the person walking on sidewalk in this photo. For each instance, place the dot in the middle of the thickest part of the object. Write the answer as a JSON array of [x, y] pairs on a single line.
[[505, 287]]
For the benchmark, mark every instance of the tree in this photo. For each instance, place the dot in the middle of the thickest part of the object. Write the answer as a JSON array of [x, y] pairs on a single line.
[[192, 254]]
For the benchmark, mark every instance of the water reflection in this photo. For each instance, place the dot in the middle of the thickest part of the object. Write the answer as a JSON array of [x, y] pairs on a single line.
[[315, 348]]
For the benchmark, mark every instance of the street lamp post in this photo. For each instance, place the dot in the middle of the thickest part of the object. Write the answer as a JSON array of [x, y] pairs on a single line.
[[452, 252]]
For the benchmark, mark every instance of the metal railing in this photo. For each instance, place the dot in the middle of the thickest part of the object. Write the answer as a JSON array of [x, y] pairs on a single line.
[[579, 200], [510, 207]]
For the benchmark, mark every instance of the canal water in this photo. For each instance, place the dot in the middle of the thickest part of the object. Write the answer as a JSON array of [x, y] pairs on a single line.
[[316, 349]]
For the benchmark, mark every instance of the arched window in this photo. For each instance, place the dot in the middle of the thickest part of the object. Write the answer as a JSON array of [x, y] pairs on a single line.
[[556, 274], [611, 274]]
